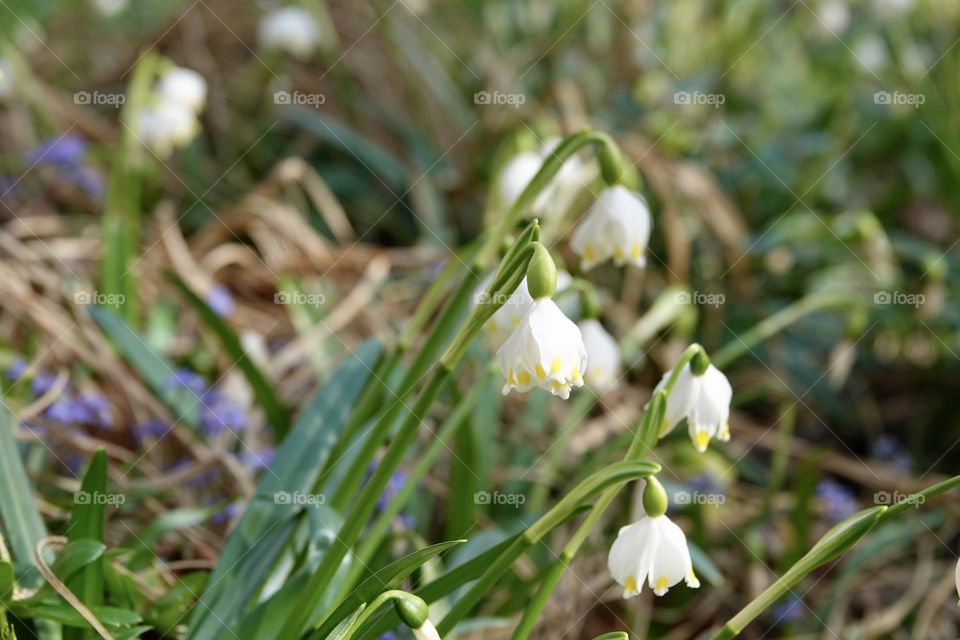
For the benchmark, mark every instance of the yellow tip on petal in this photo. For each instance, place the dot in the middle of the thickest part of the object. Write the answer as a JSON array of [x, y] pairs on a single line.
[[541, 374], [588, 252], [630, 583], [617, 252], [523, 378], [511, 379], [636, 250], [661, 584], [555, 366], [700, 440]]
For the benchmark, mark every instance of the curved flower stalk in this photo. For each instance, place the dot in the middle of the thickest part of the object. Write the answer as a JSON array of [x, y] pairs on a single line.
[[546, 349], [701, 394], [617, 226], [652, 549]]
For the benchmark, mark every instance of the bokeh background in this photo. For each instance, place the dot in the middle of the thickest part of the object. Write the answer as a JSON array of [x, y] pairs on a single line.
[[802, 160]]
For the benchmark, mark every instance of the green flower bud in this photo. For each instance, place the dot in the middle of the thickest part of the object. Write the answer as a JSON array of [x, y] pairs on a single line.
[[611, 163], [654, 498], [413, 611], [699, 363], [541, 273]]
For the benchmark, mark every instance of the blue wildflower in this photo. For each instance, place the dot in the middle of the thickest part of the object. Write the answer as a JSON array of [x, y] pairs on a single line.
[[63, 150], [152, 428], [890, 450], [219, 412], [258, 460], [790, 609], [187, 379], [42, 383], [96, 409], [220, 300], [17, 368], [838, 499]]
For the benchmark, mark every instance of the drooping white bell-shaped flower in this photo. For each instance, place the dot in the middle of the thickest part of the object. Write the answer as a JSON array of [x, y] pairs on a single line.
[[516, 175], [165, 126], [545, 350], [603, 356], [426, 632], [616, 226], [704, 400], [508, 317], [557, 195], [290, 29], [183, 86], [652, 550]]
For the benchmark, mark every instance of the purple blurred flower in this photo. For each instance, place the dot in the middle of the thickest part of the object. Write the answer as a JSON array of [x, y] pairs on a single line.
[[88, 179], [394, 485], [229, 513], [152, 428], [258, 460], [891, 451], [17, 368], [187, 379], [838, 499], [219, 412], [63, 150], [220, 300], [790, 609], [97, 409], [42, 383]]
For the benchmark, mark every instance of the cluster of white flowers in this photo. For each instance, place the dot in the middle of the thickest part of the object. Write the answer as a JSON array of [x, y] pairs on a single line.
[[290, 30], [171, 119]]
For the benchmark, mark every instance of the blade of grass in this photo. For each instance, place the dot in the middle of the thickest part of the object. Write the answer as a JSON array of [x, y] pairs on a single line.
[[86, 523]]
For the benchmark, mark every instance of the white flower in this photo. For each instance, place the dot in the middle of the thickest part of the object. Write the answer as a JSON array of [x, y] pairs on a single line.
[[183, 86], [616, 226], [426, 632], [603, 356], [508, 317], [556, 196], [109, 7], [652, 550], [834, 15], [545, 350], [165, 126], [516, 175], [703, 400], [290, 29]]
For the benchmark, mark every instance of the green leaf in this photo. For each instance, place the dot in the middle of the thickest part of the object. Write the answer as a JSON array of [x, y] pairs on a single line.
[[370, 154], [386, 578], [342, 630], [68, 616], [75, 556], [277, 414], [21, 521], [154, 369], [174, 606], [6, 581], [86, 525], [265, 527]]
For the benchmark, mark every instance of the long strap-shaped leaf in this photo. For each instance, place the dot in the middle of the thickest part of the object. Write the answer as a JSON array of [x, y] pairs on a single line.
[[258, 538], [87, 523]]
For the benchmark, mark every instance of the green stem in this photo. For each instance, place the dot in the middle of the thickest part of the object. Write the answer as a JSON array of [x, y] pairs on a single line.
[[645, 438], [778, 322], [378, 530], [370, 609], [578, 410], [613, 475]]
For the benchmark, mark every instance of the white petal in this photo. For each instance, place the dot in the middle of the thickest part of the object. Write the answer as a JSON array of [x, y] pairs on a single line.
[[603, 356]]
